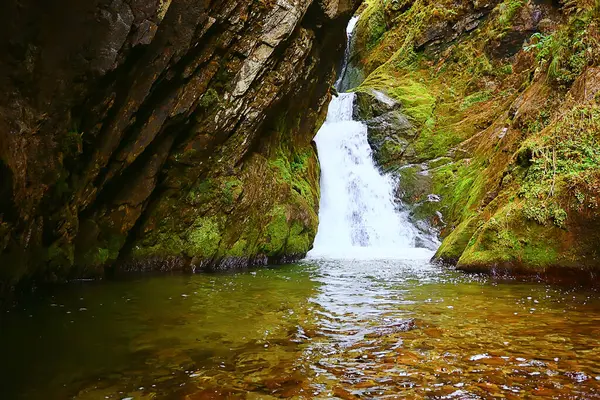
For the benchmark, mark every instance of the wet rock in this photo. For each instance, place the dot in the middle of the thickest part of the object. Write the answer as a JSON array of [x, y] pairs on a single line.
[[440, 34], [343, 393], [145, 33], [401, 326], [334, 8], [528, 19], [161, 134], [118, 19], [390, 133]]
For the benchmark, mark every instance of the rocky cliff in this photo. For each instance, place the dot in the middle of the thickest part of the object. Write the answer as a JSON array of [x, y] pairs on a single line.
[[495, 133], [160, 133]]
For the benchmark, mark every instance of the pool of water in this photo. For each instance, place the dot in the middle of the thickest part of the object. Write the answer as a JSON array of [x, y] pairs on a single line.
[[364, 329]]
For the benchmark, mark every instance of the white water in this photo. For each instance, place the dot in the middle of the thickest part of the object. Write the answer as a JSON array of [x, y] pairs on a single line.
[[358, 218], [349, 31]]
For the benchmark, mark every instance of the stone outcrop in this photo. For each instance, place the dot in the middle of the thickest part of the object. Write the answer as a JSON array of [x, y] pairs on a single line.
[[391, 136], [161, 133], [390, 132], [504, 104]]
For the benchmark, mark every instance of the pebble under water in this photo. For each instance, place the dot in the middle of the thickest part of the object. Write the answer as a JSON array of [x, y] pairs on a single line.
[[320, 329]]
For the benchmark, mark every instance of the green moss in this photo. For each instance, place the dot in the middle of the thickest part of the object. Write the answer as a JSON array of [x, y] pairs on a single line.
[[61, 254], [540, 253], [507, 11], [409, 183], [203, 238], [209, 99], [475, 98], [300, 161], [461, 187], [224, 190], [276, 232], [504, 70], [160, 245], [105, 251], [296, 174], [299, 240], [239, 249], [508, 238], [433, 143], [566, 52], [103, 256], [389, 152], [231, 189], [418, 103], [468, 103], [568, 149], [544, 212], [372, 25], [457, 241], [542, 120], [282, 166], [98, 256], [203, 192]]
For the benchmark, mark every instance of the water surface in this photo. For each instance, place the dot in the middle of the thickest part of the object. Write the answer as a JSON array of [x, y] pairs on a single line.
[[322, 329]]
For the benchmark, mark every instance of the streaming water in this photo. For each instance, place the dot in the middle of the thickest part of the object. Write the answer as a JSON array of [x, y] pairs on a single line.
[[358, 217], [349, 33]]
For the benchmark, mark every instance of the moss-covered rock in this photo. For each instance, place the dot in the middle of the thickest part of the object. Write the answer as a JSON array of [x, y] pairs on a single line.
[[503, 102], [390, 133], [161, 148]]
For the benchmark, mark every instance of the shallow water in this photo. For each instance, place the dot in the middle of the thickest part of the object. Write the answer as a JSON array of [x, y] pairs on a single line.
[[363, 329]]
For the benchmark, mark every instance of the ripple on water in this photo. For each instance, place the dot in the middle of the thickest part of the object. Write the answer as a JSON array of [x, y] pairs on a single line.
[[348, 329]]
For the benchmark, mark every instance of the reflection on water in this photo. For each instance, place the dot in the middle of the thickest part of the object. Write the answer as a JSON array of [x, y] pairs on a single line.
[[321, 329]]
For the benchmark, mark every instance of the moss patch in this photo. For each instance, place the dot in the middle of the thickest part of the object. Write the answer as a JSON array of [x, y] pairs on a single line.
[[277, 232], [203, 237]]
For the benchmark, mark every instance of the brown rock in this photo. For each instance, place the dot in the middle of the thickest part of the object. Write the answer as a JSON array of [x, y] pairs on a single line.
[[149, 119]]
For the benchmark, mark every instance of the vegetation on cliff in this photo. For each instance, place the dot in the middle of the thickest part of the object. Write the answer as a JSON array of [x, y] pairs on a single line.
[[504, 101]]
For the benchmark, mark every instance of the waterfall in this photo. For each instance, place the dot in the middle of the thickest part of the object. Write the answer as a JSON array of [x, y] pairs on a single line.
[[358, 217], [349, 31]]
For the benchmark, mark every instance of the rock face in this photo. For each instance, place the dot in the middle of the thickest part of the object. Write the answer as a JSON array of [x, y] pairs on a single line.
[[390, 131], [159, 133], [500, 152]]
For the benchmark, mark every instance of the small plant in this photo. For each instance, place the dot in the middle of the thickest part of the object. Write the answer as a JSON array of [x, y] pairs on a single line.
[[565, 52], [209, 98], [569, 152], [475, 98]]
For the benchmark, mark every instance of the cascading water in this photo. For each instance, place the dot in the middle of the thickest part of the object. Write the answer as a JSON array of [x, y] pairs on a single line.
[[349, 31], [358, 217]]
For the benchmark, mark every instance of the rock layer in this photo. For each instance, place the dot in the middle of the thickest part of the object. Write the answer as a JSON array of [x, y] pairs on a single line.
[[161, 134]]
